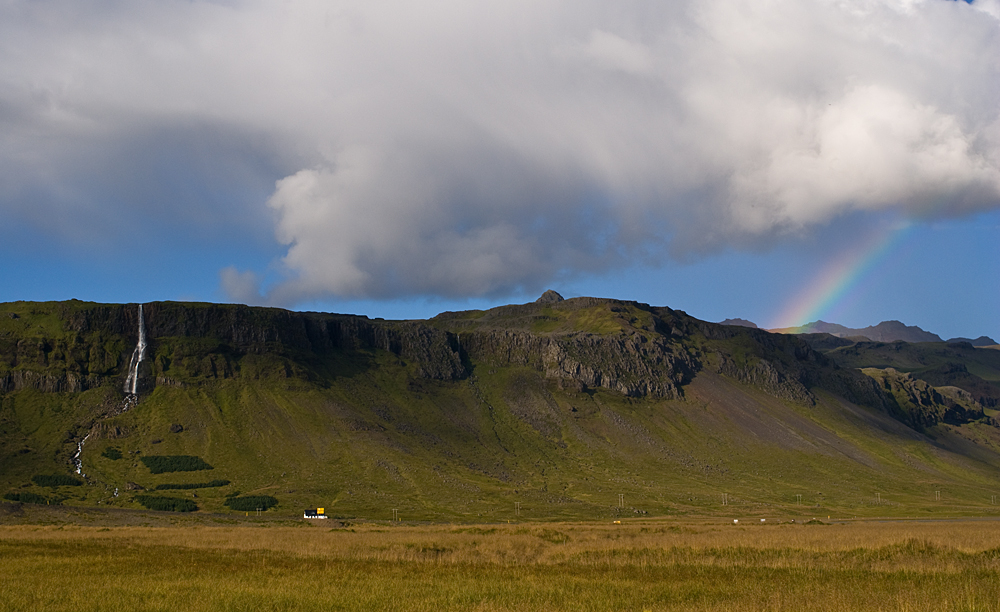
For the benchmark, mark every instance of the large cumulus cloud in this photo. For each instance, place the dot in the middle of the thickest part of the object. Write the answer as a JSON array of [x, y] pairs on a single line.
[[454, 148]]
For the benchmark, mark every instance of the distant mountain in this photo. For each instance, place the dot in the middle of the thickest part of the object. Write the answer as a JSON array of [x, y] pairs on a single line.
[[739, 323], [890, 331], [980, 341], [886, 331], [817, 327]]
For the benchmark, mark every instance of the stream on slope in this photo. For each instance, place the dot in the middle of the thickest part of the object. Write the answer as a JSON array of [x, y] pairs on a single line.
[[131, 394]]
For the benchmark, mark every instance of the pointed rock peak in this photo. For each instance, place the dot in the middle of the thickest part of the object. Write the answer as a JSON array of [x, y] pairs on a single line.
[[549, 297]]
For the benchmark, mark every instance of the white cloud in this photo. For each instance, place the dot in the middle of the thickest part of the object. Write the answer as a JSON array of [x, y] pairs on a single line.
[[242, 287], [454, 148]]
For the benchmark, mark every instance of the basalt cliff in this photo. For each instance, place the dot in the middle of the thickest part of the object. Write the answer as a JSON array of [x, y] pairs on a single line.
[[556, 402]]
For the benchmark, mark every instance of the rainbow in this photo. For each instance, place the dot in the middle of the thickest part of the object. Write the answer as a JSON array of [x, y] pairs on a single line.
[[835, 286]]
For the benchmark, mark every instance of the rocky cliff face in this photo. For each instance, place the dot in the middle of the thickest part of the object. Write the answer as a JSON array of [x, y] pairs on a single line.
[[626, 347], [38, 352], [249, 330], [922, 405], [765, 376], [92, 343], [68, 382], [630, 364]]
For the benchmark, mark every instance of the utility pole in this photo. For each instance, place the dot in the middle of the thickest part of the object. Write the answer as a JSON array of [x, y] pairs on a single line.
[[621, 500]]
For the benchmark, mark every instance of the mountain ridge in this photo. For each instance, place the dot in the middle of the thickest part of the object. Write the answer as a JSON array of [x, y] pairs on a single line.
[[557, 403], [886, 331], [981, 341]]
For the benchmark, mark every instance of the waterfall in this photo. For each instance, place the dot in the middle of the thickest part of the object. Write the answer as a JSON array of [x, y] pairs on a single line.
[[138, 355], [78, 456]]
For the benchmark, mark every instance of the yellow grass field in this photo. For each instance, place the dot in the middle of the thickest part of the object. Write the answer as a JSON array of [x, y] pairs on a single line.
[[636, 566]]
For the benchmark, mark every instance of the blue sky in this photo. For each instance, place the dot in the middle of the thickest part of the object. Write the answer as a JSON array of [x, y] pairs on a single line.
[[719, 157]]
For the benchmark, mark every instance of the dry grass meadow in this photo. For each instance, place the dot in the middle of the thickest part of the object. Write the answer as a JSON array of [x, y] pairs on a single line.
[[635, 566]]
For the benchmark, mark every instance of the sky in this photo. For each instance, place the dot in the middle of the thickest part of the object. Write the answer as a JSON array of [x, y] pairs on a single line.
[[780, 161]]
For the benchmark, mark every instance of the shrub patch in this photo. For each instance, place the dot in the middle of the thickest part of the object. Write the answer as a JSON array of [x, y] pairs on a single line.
[[193, 485], [55, 480], [26, 497], [112, 453], [160, 464], [168, 504]]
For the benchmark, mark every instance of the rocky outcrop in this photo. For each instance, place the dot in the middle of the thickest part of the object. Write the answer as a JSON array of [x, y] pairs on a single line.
[[853, 386], [765, 376], [956, 374], [103, 430], [62, 382], [82, 356], [549, 297], [922, 405], [630, 364]]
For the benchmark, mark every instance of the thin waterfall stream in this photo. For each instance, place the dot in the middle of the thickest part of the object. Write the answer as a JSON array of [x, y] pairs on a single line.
[[138, 356]]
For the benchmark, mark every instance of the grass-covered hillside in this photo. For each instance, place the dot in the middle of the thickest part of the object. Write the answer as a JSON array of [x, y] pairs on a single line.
[[575, 409]]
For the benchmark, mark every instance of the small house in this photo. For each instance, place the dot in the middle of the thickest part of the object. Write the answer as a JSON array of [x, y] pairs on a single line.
[[315, 513]]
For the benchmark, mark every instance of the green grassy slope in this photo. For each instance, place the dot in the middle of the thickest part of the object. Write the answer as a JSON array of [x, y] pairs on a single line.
[[366, 431]]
